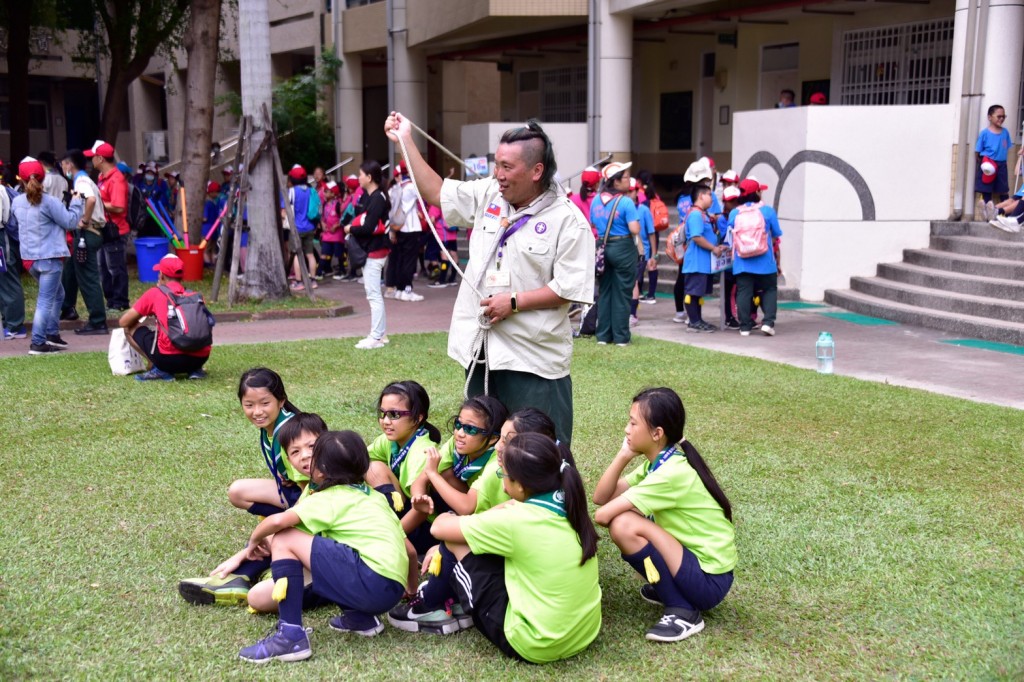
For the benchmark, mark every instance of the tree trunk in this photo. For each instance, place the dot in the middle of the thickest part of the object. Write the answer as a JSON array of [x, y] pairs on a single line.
[[201, 43], [115, 104], [18, 55], [264, 271]]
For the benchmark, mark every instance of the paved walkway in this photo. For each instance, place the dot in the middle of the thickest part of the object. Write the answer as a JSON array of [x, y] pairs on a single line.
[[865, 348]]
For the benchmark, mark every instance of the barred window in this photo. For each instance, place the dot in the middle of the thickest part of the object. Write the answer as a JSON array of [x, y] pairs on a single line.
[[562, 94], [906, 64]]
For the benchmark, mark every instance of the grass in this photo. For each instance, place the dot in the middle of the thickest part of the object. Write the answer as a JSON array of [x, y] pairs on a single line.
[[878, 527], [137, 288]]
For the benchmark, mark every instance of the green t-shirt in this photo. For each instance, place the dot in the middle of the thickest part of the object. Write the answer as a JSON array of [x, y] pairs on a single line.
[[489, 490], [272, 449], [554, 604], [413, 464], [679, 502], [360, 518]]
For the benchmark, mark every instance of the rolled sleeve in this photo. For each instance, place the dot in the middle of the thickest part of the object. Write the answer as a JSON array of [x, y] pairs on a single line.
[[573, 278]]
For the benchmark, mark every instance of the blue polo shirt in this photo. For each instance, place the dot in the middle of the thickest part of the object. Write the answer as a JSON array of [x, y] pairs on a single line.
[[684, 204], [698, 259], [646, 228], [992, 145], [600, 211], [765, 263]]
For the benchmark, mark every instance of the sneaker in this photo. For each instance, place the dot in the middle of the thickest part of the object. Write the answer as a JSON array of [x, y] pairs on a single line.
[[229, 591], [438, 285], [197, 375], [391, 293], [676, 625], [744, 332], [732, 323], [69, 314], [708, 327], [286, 643], [385, 340], [990, 211], [93, 330], [680, 318], [42, 349], [154, 375], [622, 345], [317, 277], [369, 627], [412, 296], [602, 343], [700, 327], [409, 618], [55, 340], [297, 286], [338, 278], [649, 594], [18, 333], [633, 320], [369, 343], [114, 311], [767, 330], [648, 299], [1006, 223]]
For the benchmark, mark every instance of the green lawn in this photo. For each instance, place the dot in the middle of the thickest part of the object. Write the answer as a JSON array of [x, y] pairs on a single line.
[[879, 528]]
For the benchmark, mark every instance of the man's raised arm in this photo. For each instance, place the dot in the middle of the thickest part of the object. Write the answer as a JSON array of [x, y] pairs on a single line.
[[428, 182]]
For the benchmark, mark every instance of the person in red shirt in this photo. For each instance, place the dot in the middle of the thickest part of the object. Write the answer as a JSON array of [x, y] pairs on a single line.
[[165, 360], [113, 255]]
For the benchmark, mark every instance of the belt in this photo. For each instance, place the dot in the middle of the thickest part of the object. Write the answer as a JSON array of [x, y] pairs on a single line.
[[621, 236]]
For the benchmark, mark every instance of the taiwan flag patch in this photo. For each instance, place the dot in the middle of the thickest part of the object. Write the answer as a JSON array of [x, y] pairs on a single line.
[[493, 211]]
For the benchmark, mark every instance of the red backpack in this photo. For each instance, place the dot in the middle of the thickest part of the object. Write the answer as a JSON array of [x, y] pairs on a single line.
[[660, 213], [749, 236], [675, 245]]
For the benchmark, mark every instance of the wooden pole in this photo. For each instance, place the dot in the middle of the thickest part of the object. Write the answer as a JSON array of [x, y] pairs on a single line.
[[232, 220]]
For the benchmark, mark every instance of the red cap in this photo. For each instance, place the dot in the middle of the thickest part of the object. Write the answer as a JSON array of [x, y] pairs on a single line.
[[751, 185], [212, 187], [29, 167], [170, 266], [297, 172], [100, 148], [819, 98], [352, 182], [731, 193], [227, 170], [333, 186], [402, 168], [730, 176], [591, 176]]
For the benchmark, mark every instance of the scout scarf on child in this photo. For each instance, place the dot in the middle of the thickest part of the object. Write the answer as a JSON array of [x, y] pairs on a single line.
[[465, 470], [272, 453], [398, 456], [662, 458], [553, 501]]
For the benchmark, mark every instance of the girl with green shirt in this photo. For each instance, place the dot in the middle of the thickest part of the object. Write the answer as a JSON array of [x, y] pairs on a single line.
[[527, 570], [669, 517], [346, 536]]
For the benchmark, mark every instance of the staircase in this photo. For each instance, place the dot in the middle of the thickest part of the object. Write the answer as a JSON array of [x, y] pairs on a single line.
[[968, 282]]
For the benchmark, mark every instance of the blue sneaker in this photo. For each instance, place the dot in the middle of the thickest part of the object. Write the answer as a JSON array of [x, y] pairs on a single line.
[[361, 624], [154, 375], [17, 333], [286, 643]]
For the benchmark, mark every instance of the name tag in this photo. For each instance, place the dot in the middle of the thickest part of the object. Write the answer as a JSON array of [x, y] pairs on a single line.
[[496, 279]]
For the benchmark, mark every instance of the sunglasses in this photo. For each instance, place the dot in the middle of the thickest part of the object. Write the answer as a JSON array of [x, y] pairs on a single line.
[[468, 429], [500, 473], [393, 415]]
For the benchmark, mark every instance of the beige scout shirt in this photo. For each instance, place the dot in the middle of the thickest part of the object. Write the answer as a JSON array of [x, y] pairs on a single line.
[[87, 188], [555, 247]]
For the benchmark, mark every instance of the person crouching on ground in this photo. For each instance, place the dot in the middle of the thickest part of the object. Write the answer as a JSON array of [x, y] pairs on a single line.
[[165, 360]]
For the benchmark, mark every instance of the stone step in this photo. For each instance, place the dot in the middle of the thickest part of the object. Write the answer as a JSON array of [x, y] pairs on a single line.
[[953, 323], [970, 265], [979, 246], [983, 230], [936, 299], [975, 285]]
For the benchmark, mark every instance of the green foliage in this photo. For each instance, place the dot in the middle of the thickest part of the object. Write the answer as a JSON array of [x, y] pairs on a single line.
[[878, 527]]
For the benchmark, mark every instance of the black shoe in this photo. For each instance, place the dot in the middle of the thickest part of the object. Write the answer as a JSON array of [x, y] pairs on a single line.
[[55, 340], [93, 330], [42, 349], [732, 323], [676, 625], [650, 594], [69, 314]]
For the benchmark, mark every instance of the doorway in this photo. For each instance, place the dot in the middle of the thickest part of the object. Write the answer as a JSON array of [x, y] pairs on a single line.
[[779, 71]]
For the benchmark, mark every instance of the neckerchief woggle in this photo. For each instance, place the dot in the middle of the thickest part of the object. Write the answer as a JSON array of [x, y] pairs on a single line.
[[398, 456], [272, 453], [507, 234], [465, 469], [553, 501], [662, 458]]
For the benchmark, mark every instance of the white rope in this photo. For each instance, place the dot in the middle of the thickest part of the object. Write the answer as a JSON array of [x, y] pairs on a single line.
[[483, 323]]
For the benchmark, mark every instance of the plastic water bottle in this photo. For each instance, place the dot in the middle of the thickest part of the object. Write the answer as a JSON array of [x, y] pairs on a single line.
[[81, 254], [825, 351]]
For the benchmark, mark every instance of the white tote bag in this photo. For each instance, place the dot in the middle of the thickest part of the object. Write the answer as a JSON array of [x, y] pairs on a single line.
[[123, 359]]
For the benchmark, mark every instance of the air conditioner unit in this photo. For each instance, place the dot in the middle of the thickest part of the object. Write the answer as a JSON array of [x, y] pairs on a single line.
[[156, 145]]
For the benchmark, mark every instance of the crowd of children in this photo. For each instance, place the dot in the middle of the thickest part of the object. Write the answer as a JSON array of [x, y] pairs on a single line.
[[495, 517]]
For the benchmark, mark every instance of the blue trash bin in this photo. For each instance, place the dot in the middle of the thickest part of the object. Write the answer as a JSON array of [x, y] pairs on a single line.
[[148, 252]]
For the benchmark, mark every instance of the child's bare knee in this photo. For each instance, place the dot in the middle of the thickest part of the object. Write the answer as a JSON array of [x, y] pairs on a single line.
[[237, 494], [378, 474]]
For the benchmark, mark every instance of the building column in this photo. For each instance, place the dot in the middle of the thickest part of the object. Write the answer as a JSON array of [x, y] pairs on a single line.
[[614, 81], [348, 110], [408, 73], [1004, 45]]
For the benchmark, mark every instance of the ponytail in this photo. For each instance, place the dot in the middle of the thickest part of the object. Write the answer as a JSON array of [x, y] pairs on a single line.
[[34, 190], [432, 431], [707, 478], [576, 511]]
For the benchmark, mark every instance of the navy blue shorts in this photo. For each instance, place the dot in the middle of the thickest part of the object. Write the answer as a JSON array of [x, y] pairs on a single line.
[[1001, 185], [291, 494], [703, 590], [341, 576], [697, 284], [331, 249]]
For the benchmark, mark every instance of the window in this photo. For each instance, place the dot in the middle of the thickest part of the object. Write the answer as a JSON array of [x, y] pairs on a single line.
[[907, 64], [38, 116], [676, 121], [554, 95]]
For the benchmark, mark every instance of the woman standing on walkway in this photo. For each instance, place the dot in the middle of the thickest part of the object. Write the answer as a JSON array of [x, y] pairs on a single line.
[[370, 229], [43, 221], [613, 214]]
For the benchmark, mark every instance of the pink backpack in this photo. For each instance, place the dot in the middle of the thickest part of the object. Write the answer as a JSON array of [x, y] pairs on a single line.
[[749, 236], [332, 213]]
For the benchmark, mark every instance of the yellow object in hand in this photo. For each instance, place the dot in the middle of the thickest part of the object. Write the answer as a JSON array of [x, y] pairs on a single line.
[[652, 572], [435, 564], [280, 590], [396, 501]]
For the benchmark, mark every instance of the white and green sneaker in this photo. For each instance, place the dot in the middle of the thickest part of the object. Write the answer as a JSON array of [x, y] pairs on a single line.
[[412, 617], [229, 591]]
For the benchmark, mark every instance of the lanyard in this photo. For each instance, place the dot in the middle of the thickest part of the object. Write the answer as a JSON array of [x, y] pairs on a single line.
[[509, 231], [553, 501], [662, 458], [398, 456], [272, 451], [465, 469]]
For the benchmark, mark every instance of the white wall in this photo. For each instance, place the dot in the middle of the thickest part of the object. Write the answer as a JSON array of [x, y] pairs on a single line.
[[568, 139], [904, 155]]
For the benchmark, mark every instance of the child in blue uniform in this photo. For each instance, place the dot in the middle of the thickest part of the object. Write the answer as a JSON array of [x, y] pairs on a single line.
[[993, 144], [668, 517], [346, 536], [756, 273], [702, 241]]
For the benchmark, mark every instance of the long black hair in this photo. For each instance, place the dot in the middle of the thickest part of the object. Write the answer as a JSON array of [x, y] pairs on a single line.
[[372, 168], [493, 412], [341, 458], [535, 462], [662, 407], [262, 377], [532, 420], [418, 401]]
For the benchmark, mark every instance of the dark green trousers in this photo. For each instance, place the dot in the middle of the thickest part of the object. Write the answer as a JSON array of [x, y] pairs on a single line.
[[522, 389], [12, 296], [85, 277]]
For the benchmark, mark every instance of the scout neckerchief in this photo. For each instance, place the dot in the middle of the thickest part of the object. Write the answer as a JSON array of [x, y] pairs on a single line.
[[398, 456], [272, 452], [553, 501], [361, 487], [465, 469], [663, 457]]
